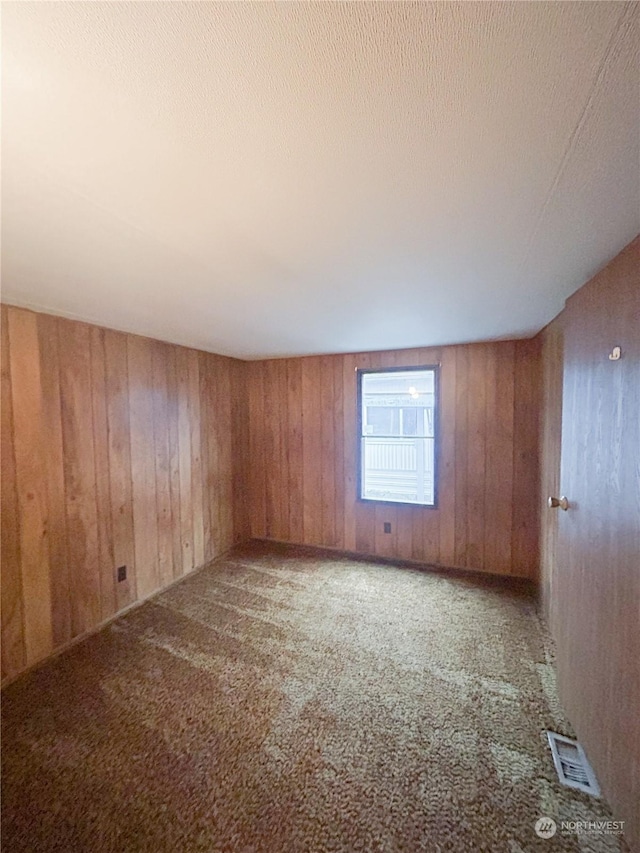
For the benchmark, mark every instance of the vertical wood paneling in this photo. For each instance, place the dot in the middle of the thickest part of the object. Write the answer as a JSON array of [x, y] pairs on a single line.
[[54, 460], [208, 470], [164, 515], [525, 460], [257, 471], [283, 457], [498, 504], [447, 460], [350, 439], [119, 453], [326, 425], [428, 524], [173, 433], [295, 467], [114, 464], [473, 523], [83, 554], [13, 651], [476, 454], [184, 450], [29, 433], [272, 421], [214, 428], [240, 449], [312, 450], [492, 449], [143, 465], [225, 474], [338, 421], [108, 604], [461, 453], [196, 459]]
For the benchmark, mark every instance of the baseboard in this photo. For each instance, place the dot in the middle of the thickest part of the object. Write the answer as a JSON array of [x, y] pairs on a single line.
[[106, 622], [490, 578]]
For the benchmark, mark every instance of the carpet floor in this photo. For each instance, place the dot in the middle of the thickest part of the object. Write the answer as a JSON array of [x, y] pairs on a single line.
[[284, 702]]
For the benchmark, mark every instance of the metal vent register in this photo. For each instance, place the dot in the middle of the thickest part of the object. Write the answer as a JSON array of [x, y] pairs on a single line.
[[571, 764]]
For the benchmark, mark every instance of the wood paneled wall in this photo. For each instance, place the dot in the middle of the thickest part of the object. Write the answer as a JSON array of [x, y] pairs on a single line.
[[303, 450], [116, 450]]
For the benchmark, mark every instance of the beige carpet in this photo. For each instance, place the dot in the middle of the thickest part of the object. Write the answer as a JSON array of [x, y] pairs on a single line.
[[282, 701]]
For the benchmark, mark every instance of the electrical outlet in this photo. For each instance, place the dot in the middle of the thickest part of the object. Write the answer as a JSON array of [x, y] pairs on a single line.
[[387, 527], [122, 573]]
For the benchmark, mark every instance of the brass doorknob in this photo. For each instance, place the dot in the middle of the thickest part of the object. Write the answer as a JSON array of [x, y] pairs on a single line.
[[554, 503]]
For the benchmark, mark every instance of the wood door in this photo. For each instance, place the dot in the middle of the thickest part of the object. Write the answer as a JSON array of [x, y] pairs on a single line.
[[597, 582]]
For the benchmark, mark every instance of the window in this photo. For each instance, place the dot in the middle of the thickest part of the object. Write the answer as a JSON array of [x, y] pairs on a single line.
[[397, 411]]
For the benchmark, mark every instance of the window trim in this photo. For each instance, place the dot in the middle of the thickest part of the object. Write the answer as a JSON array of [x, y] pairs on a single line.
[[362, 371]]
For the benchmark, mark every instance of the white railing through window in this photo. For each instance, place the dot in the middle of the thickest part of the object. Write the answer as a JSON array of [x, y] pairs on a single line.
[[400, 469]]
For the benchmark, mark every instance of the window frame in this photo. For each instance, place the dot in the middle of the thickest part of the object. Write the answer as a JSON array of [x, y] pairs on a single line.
[[362, 371]]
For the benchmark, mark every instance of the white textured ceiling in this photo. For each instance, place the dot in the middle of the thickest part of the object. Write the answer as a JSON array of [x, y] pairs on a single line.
[[288, 178]]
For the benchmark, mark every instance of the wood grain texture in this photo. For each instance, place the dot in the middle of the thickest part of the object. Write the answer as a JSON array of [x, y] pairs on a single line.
[[74, 341], [184, 452], [460, 453], [526, 516], [57, 519], [257, 473], [350, 439], [312, 462], [108, 460], [103, 490], [239, 414], [119, 453], [196, 459], [225, 472], [173, 435], [161, 430], [143, 469], [210, 446], [304, 452], [479, 383], [592, 582], [208, 484], [294, 448], [13, 644], [30, 437], [447, 461]]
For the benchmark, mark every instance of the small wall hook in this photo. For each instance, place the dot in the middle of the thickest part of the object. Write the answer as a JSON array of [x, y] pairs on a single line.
[[615, 354]]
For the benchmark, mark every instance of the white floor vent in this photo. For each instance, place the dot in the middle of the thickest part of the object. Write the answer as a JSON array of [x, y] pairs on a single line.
[[572, 765]]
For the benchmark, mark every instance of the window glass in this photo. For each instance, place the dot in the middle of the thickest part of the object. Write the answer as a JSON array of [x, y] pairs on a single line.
[[397, 442]]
